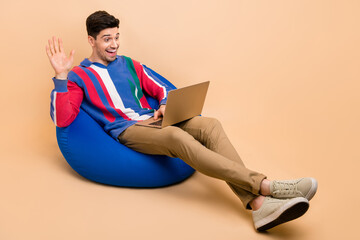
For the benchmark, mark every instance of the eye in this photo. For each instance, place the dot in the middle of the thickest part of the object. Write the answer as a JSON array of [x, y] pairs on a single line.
[[106, 39]]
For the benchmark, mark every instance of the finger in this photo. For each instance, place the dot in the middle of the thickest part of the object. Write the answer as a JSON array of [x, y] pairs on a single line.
[[156, 115], [51, 47], [56, 46], [48, 51], [61, 48]]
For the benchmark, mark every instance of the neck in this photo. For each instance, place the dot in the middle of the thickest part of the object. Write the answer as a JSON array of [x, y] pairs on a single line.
[[94, 58]]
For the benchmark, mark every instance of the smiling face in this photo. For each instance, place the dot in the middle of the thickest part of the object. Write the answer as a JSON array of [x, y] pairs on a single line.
[[105, 46]]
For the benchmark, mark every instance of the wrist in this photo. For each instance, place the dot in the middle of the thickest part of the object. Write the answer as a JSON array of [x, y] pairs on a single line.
[[61, 76]]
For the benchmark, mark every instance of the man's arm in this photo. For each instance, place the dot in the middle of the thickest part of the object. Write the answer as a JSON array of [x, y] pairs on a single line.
[[67, 96], [154, 87], [66, 99]]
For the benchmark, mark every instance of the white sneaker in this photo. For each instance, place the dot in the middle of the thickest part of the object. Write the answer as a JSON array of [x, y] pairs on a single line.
[[303, 187], [275, 211]]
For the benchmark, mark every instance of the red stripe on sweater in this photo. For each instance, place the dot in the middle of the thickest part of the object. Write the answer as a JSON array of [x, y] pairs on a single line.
[[94, 97], [140, 73]]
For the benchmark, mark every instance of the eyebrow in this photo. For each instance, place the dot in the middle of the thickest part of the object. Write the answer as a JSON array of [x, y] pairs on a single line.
[[108, 35]]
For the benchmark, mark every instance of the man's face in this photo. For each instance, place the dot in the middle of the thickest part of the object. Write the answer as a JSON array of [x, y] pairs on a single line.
[[105, 45]]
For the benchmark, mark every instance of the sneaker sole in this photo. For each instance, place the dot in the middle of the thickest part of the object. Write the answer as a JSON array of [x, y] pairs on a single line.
[[313, 189], [290, 211]]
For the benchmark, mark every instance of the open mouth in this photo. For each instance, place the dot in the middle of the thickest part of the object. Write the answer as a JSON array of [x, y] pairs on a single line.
[[111, 52]]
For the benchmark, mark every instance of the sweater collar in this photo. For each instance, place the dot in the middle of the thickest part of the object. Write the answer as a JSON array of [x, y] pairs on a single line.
[[87, 63]]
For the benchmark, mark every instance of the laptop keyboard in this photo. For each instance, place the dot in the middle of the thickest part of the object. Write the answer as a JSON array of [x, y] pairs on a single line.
[[157, 123]]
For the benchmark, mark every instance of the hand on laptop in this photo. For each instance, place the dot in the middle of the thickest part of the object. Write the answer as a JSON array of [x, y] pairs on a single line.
[[160, 112]]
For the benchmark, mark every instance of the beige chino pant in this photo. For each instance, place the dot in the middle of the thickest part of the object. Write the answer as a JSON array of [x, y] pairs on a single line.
[[202, 143]]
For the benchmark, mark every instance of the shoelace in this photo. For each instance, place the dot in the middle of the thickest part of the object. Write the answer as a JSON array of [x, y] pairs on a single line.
[[284, 188]]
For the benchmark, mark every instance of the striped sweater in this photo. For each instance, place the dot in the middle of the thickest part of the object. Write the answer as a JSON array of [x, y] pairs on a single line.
[[112, 95]]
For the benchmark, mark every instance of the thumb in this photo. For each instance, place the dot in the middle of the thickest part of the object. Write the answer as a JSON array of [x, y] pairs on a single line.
[[156, 114]]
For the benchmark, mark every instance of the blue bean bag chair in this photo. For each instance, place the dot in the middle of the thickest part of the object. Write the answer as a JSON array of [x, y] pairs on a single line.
[[95, 155]]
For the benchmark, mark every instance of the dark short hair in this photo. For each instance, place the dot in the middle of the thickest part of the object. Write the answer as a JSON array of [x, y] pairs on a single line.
[[99, 21]]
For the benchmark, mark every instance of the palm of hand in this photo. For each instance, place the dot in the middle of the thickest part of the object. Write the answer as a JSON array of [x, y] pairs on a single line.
[[60, 62], [58, 59]]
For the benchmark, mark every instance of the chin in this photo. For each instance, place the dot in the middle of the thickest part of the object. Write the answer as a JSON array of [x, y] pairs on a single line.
[[110, 59]]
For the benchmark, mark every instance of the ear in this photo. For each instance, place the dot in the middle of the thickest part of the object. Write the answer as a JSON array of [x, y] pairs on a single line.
[[91, 40]]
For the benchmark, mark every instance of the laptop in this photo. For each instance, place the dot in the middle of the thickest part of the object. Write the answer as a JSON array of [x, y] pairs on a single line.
[[182, 104]]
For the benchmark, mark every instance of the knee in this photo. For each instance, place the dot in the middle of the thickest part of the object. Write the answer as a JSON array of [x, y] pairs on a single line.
[[214, 122], [201, 122], [211, 124]]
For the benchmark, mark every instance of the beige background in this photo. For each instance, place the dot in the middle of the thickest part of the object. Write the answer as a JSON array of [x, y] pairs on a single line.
[[284, 82]]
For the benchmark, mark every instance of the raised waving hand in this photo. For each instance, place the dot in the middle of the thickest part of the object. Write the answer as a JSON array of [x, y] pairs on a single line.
[[58, 59]]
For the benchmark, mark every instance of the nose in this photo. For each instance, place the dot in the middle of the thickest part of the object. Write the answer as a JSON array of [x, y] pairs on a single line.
[[114, 43]]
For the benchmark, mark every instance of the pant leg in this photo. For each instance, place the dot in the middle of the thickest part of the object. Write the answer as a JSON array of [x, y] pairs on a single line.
[[175, 142], [210, 133]]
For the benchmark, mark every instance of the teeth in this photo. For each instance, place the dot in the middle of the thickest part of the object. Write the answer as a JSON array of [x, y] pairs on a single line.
[[112, 51]]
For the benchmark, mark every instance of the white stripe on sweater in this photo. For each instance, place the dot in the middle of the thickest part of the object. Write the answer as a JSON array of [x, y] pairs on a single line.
[[54, 107], [152, 79], [114, 95]]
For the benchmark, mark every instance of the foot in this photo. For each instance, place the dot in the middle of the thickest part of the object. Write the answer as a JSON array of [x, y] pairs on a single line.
[[303, 187], [277, 211]]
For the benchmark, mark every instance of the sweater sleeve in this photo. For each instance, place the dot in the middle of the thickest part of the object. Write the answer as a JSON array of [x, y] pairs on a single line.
[[151, 84], [66, 99]]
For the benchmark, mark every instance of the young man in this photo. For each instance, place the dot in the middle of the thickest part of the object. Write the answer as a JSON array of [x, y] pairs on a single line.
[[110, 88]]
